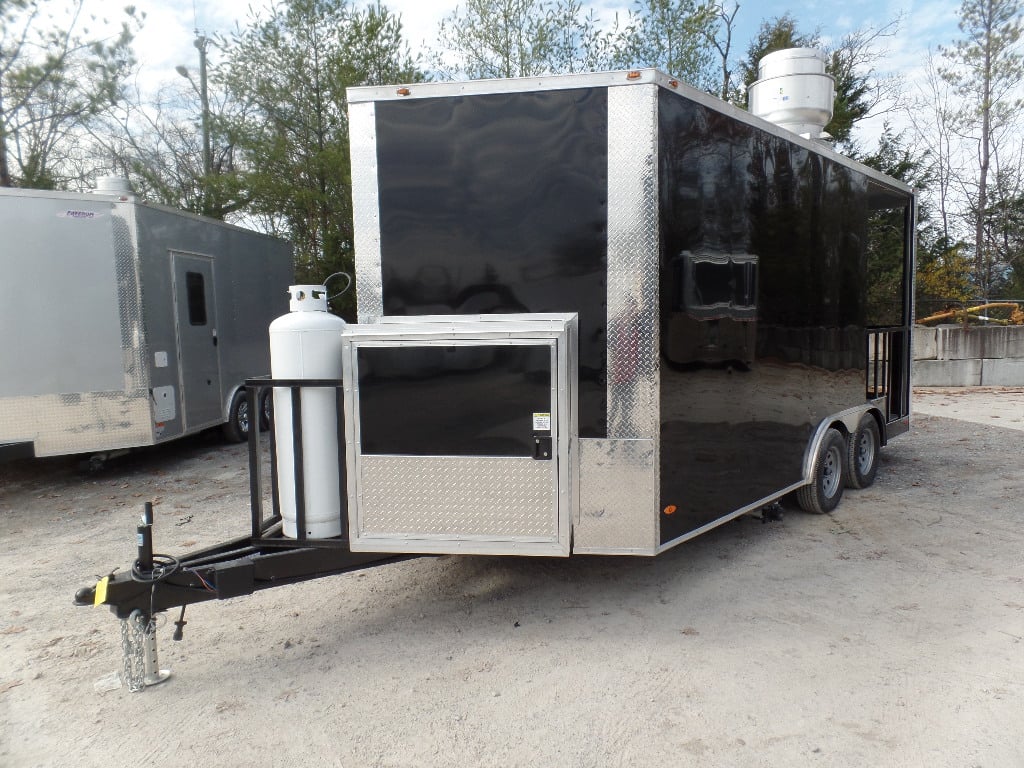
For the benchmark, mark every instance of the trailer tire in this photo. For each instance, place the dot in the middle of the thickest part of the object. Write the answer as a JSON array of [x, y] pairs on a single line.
[[825, 490], [862, 453], [236, 428], [266, 408]]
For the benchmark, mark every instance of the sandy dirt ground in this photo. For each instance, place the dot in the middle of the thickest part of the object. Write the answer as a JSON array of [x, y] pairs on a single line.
[[890, 633]]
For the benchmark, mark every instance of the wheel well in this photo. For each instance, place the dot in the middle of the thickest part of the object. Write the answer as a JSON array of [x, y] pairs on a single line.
[[877, 416], [226, 412], [846, 424], [840, 427]]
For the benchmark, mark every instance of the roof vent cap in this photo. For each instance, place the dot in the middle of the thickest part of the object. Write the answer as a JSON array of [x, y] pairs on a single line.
[[793, 91], [112, 185]]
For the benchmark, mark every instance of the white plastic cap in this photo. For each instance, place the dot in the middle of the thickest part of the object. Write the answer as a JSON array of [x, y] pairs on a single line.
[[307, 298]]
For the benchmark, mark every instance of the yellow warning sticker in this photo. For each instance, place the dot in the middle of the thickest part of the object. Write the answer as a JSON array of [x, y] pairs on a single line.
[[101, 591], [541, 422]]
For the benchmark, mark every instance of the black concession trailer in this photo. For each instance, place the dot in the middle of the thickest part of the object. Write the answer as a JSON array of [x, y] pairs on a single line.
[[598, 314], [742, 295]]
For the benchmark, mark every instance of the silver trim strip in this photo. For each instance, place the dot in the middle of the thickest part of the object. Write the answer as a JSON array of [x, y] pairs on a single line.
[[363, 94], [362, 119], [633, 384], [726, 518]]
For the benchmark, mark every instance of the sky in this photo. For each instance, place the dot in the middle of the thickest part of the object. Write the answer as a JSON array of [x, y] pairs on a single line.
[[166, 38]]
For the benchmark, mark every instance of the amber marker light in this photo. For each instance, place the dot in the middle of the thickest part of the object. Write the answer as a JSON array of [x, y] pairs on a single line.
[[403, 91], [670, 509], [674, 83], [634, 75]]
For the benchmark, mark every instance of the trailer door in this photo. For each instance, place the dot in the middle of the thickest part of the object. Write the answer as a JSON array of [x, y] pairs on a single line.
[[458, 439], [196, 326]]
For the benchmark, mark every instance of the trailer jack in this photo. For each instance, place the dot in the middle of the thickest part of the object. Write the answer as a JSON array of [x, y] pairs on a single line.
[[138, 645]]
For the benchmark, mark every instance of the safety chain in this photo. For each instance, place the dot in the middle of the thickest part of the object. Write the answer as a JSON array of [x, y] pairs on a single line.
[[134, 632]]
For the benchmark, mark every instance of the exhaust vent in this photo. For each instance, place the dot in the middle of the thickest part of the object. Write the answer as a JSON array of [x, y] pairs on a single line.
[[112, 185], [794, 92]]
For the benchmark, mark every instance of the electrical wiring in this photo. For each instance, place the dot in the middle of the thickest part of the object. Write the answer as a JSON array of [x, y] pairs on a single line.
[[164, 566]]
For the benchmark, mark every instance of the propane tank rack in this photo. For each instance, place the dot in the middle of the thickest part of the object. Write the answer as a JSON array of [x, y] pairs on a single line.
[[267, 528]]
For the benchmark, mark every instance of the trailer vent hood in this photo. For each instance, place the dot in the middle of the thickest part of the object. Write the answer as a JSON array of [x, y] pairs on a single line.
[[793, 91], [112, 185]]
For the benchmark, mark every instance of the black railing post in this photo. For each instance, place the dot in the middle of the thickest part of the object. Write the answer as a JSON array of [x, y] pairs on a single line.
[[298, 473], [255, 479], [339, 407]]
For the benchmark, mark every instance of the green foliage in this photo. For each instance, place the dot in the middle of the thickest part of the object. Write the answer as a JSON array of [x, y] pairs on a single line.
[[1004, 233], [774, 34], [520, 38], [943, 268], [860, 87], [943, 276], [987, 55], [671, 35], [54, 81], [985, 68], [292, 69]]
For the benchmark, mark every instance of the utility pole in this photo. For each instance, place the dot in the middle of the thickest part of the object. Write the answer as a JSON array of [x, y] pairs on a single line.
[[204, 98], [201, 43]]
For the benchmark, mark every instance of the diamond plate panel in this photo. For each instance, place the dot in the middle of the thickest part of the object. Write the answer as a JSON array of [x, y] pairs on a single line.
[[366, 211], [129, 299], [633, 262], [78, 423], [457, 497], [618, 497]]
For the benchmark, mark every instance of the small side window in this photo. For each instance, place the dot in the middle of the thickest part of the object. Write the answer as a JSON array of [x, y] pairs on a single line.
[[195, 288]]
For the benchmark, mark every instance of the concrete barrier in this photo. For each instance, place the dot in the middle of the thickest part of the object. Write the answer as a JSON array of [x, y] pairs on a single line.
[[954, 356]]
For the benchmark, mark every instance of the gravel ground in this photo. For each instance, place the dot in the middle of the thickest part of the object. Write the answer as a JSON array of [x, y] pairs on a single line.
[[890, 633]]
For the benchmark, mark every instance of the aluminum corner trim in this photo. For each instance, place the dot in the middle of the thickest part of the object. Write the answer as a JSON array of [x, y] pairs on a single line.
[[366, 211], [632, 293]]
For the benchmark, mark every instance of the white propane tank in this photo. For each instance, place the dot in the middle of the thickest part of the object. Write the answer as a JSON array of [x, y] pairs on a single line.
[[794, 92], [306, 344]]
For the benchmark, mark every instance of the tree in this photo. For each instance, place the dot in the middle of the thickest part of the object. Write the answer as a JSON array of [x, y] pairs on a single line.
[[291, 70], [943, 270], [53, 81], [671, 35], [861, 90], [985, 69], [774, 34], [156, 142], [1004, 236], [519, 38], [930, 112], [719, 37]]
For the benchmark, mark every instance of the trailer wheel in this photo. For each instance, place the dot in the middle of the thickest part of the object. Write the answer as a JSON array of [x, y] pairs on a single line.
[[266, 408], [862, 454], [826, 488], [236, 428]]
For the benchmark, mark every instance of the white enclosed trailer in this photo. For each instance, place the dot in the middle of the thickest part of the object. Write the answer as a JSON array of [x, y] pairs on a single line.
[[126, 324]]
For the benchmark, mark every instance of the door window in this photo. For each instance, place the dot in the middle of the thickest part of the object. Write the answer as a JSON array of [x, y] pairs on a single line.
[[196, 292]]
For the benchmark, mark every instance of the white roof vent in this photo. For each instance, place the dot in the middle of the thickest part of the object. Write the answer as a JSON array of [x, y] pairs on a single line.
[[794, 92], [112, 185]]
